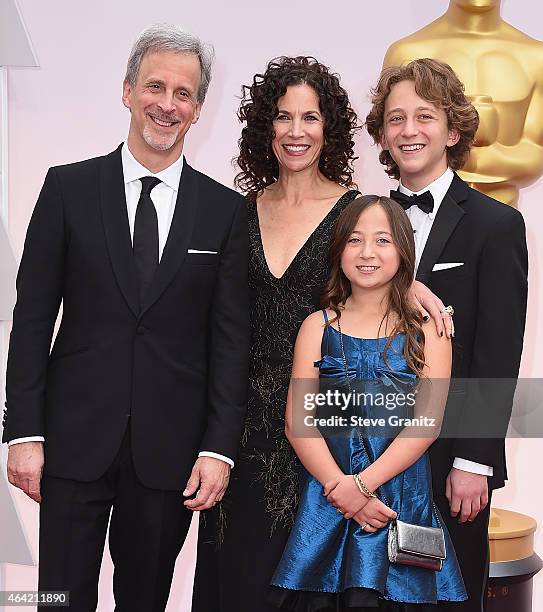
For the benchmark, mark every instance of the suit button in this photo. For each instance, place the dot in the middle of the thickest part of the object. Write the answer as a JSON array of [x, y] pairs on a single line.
[[141, 330]]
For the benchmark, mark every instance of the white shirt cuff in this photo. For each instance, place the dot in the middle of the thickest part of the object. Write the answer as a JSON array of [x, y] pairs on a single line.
[[471, 466], [216, 456], [28, 439]]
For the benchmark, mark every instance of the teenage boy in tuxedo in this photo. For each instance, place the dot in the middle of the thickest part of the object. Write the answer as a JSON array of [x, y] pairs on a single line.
[[471, 251]]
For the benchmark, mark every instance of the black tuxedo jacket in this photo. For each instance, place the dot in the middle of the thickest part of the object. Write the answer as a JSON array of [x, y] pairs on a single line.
[[488, 293], [174, 367]]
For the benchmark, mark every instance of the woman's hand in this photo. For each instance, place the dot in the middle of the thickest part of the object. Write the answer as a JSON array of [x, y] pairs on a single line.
[[344, 495], [374, 515], [430, 305]]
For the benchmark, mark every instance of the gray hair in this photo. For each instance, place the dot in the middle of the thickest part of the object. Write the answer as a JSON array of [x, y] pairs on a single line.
[[167, 37]]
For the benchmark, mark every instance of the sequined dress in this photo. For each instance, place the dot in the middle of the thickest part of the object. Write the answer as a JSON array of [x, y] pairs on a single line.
[[240, 543]]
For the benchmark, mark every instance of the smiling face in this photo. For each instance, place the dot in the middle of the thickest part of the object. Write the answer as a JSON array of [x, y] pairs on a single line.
[[417, 135], [163, 104], [299, 129], [370, 258]]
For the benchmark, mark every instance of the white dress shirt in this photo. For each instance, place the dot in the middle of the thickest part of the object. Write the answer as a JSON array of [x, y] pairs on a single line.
[[164, 197], [422, 224]]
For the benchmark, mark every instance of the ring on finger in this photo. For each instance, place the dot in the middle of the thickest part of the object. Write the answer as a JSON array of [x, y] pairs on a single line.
[[363, 527], [448, 310]]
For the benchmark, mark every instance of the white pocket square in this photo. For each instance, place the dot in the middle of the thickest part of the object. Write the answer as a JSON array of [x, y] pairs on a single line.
[[205, 252], [445, 266]]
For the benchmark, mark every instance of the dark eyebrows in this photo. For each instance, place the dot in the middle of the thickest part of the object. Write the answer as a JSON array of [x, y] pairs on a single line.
[[378, 232], [307, 112], [152, 80]]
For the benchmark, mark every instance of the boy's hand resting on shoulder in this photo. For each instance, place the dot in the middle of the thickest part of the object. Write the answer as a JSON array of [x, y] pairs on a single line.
[[344, 495], [374, 515]]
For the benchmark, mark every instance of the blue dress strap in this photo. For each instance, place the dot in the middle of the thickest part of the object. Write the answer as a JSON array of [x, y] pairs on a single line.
[[325, 334], [325, 315]]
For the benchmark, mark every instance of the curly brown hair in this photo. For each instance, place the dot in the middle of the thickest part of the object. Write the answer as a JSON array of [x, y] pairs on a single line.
[[338, 288], [258, 109], [437, 83]]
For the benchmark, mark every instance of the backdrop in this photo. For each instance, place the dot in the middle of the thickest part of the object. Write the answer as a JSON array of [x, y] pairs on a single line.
[[70, 109]]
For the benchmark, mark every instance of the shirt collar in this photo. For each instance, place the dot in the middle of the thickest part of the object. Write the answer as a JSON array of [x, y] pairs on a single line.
[[437, 188], [133, 170]]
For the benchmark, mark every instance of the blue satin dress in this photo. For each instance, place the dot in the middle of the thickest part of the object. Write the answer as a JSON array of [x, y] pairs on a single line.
[[326, 553]]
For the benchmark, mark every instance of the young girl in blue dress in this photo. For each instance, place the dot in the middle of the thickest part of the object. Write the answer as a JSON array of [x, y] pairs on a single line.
[[368, 336]]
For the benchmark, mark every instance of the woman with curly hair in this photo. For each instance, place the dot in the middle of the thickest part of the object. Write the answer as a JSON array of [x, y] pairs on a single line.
[[295, 160]]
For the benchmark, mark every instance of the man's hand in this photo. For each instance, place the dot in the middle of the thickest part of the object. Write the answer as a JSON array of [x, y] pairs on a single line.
[[431, 306], [374, 515], [25, 467], [209, 477], [467, 494]]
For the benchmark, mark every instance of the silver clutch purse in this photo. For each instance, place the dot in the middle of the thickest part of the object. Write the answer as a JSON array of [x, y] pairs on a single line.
[[416, 545]]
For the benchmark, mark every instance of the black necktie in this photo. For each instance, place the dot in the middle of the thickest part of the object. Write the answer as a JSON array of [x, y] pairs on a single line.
[[145, 242], [425, 201]]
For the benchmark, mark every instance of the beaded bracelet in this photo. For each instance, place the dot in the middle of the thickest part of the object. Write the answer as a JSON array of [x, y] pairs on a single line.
[[362, 487]]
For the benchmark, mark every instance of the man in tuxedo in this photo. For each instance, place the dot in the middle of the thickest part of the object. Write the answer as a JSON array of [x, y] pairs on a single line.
[[471, 251], [140, 403]]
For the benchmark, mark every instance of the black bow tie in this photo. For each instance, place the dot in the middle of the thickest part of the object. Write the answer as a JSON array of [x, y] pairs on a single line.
[[425, 201]]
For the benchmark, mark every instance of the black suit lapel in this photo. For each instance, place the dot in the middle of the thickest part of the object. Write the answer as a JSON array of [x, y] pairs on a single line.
[[116, 228], [179, 236], [447, 218]]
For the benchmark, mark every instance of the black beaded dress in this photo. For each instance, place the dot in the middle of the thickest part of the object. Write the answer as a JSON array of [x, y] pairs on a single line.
[[240, 542]]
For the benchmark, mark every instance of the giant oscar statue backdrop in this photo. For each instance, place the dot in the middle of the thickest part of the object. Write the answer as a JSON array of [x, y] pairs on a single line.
[[502, 69]]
